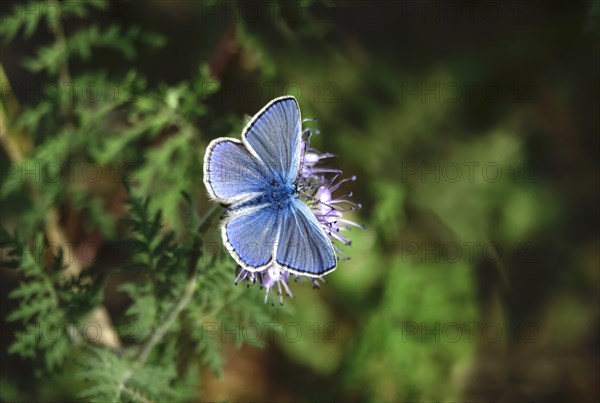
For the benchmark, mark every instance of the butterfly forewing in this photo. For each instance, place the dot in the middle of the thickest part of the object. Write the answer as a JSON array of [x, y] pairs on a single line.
[[275, 135], [231, 173]]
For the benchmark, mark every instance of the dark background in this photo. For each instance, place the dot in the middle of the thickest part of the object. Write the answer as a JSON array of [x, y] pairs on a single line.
[[473, 131]]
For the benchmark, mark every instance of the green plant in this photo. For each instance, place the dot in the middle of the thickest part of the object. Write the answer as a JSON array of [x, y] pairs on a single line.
[[106, 123]]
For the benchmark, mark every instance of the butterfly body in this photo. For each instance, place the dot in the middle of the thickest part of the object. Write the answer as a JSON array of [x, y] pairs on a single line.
[[265, 221], [279, 195]]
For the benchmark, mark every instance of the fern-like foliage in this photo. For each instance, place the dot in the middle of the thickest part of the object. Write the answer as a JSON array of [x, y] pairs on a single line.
[[50, 58], [27, 16], [149, 136], [49, 307], [39, 311], [112, 378], [159, 260]]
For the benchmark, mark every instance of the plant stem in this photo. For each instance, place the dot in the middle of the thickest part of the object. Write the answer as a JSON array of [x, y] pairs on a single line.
[[64, 74], [210, 214], [159, 332]]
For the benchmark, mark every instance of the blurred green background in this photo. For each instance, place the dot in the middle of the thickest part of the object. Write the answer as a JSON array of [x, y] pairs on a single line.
[[473, 131]]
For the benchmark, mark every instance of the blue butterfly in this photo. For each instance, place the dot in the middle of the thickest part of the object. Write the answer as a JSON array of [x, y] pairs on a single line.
[[265, 222]]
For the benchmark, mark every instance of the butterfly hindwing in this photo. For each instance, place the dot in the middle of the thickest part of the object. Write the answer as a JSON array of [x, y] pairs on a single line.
[[251, 235], [303, 245], [274, 135]]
